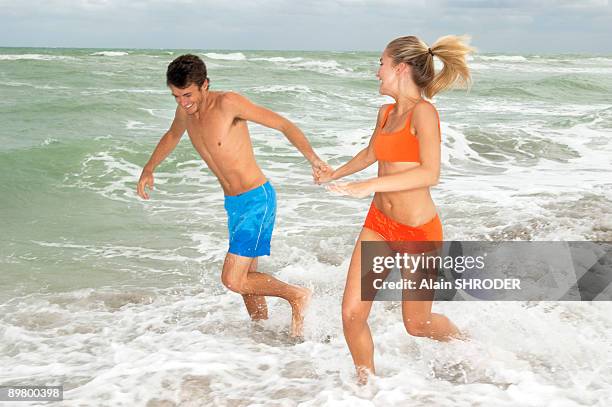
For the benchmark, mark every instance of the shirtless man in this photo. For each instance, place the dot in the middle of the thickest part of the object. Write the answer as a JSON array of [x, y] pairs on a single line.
[[216, 123]]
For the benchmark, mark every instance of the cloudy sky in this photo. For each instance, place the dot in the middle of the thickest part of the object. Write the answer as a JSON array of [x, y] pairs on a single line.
[[525, 26]]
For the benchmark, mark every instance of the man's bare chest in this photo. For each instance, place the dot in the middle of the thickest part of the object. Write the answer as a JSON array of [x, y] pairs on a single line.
[[216, 137]]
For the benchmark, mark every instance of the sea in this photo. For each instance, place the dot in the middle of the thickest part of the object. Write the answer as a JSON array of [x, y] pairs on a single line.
[[119, 300]]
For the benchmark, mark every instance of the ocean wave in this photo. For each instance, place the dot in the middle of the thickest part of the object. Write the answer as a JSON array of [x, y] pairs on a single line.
[[281, 89], [320, 66], [234, 56], [508, 91], [110, 251], [109, 54], [50, 140], [329, 66], [598, 59], [542, 66], [107, 91], [138, 125], [504, 58], [570, 83], [44, 87], [278, 59], [474, 65], [35, 57]]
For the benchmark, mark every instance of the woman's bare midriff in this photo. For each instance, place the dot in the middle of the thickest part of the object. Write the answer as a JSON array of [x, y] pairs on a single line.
[[412, 207]]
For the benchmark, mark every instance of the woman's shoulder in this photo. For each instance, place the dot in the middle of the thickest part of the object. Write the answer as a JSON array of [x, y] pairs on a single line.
[[425, 110], [384, 109]]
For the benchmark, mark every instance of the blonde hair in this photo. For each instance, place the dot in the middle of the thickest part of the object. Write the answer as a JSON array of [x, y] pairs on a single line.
[[451, 50]]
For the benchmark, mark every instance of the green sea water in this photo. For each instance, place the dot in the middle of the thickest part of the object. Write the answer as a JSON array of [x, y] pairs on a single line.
[[526, 154]]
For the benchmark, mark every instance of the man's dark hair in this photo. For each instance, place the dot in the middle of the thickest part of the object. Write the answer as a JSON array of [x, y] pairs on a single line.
[[185, 70]]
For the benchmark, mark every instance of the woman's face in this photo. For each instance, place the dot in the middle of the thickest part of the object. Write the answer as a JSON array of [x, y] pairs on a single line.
[[387, 75]]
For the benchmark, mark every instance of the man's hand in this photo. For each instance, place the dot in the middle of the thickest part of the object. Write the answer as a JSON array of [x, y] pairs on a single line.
[[324, 175], [354, 189], [321, 171], [146, 179]]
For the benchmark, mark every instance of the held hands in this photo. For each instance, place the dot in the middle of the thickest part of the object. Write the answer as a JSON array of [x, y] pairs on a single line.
[[354, 189], [321, 171], [146, 179]]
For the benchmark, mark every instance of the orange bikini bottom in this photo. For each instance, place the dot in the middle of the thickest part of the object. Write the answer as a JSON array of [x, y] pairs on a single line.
[[392, 230]]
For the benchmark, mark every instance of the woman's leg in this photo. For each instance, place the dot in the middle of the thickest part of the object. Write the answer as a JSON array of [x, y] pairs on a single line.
[[416, 311], [355, 312]]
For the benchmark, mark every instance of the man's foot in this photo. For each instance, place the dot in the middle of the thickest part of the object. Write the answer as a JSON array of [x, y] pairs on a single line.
[[298, 310], [260, 312]]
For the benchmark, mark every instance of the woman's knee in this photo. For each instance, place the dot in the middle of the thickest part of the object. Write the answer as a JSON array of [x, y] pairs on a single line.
[[418, 326], [353, 314]]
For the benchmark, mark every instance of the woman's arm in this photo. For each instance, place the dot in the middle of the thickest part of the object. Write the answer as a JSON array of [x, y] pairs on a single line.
[[362, 159]]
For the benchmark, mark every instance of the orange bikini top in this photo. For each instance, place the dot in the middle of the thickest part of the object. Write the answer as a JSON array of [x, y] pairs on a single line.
[[397, 146]]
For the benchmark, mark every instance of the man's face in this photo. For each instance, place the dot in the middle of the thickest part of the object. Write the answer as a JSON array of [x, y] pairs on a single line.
[[188, 98]]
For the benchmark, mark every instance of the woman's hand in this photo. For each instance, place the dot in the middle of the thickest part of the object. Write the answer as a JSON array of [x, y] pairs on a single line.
[[321, 171], [323, 174], [355, 189]]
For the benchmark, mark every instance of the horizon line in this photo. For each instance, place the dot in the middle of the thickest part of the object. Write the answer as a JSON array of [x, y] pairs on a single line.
[[282, 50]]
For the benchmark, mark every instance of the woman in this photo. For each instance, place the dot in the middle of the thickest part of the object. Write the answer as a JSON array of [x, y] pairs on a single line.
[[406, 144]]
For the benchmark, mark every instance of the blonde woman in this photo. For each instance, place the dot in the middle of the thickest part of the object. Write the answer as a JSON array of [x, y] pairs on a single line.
[[406, 144]]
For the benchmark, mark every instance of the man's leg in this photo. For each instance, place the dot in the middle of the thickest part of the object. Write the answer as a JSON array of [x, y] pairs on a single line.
[[255, 304], [236, 277]]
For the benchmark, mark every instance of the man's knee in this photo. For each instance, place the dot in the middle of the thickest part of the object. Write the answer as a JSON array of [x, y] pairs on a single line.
[[233, 281]]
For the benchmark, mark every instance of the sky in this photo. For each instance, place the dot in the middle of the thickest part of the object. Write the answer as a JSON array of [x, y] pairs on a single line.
[[507, 26]]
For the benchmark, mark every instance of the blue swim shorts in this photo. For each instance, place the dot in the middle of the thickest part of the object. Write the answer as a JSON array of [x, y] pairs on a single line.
[[250, 220]]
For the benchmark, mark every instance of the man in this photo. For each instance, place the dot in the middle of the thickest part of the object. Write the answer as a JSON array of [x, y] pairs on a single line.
[[216, 125]]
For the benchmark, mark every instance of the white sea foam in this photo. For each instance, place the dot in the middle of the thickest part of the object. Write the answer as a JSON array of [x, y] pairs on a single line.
[[234, 56], [190, 346], [281, 89], [94, 91], [110, 251], [138, 125], [477, 66], [329, 66], [159, 113], [278, 59], [35, 57], [542, 67], [322, 66], [49, 141], [103, 73], [31, 85], [504, 58], [110, 54]]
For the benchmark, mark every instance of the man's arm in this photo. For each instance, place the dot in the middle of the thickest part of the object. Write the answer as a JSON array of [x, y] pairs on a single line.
[[243, 108], [165, 146]]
